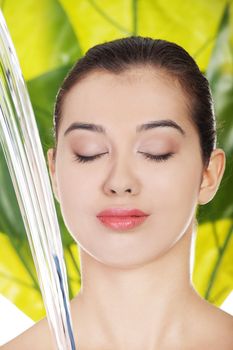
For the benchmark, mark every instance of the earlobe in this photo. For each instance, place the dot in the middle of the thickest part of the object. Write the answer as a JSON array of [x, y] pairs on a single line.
[[212, 176], [51, 166]]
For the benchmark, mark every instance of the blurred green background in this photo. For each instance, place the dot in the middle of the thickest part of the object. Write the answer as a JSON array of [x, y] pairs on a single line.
[[49, 36]]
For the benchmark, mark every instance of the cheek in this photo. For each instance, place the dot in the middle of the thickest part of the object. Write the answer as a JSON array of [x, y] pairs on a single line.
[[74, 179], [75, 194], [175, 192]]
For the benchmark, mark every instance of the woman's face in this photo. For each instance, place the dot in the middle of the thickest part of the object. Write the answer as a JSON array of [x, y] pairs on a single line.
[[166, 189]]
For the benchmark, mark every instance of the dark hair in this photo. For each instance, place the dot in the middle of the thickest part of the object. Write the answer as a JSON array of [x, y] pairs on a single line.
[[119, 55]]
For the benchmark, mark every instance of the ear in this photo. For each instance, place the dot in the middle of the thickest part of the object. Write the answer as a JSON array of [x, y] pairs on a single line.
[[212, 176], [51, 166]]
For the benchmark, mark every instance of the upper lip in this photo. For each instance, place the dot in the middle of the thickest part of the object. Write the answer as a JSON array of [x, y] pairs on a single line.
[[122, 212]]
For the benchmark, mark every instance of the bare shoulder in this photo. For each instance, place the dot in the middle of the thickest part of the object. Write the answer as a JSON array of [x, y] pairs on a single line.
[[37, 337], [213, 326], [222, 326]]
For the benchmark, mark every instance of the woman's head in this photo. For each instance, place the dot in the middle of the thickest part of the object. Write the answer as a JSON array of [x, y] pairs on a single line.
[[121, 55], [132, 134]]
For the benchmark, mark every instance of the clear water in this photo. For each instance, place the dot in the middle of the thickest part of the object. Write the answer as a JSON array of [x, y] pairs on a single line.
[[24, 155]]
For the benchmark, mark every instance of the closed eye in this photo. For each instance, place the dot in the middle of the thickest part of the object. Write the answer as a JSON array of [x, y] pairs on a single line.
[[157, 157], [153, 157], [84, 159]]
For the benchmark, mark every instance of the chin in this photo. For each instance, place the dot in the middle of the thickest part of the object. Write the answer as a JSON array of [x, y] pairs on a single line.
[[131, 261]]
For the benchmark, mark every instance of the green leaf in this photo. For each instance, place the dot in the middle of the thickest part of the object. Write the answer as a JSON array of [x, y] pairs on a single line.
[[192, 25], [42, 99], [213, 274], [16, 283], [42, 91], [10, 219], [220, 75], [18, 278], [72, 261], [42, 35]]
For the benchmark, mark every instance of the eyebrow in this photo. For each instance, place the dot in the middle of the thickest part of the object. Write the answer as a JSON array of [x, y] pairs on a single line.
[[150, 125]]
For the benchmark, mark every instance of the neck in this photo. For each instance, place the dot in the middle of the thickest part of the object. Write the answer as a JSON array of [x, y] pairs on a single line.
[[151, 297]]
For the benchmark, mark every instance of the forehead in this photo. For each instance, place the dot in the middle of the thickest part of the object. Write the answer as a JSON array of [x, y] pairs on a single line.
[[134, 96]]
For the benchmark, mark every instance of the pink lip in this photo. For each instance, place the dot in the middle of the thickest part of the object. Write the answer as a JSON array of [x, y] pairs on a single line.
[[122, 219], [122, 212]]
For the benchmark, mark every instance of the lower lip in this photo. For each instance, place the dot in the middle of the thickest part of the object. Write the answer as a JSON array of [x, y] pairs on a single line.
[[122, 222]]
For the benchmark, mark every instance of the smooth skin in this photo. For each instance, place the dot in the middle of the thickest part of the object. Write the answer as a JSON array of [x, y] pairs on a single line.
[[136, 288]]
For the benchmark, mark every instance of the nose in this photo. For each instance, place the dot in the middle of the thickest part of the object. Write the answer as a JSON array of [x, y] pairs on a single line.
[[121, 181]]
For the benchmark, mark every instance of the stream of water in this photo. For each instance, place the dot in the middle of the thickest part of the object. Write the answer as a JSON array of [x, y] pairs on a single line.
[[22, 148]]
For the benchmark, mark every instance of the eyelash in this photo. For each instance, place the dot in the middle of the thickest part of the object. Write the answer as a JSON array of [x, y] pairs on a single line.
[[156, 158]]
